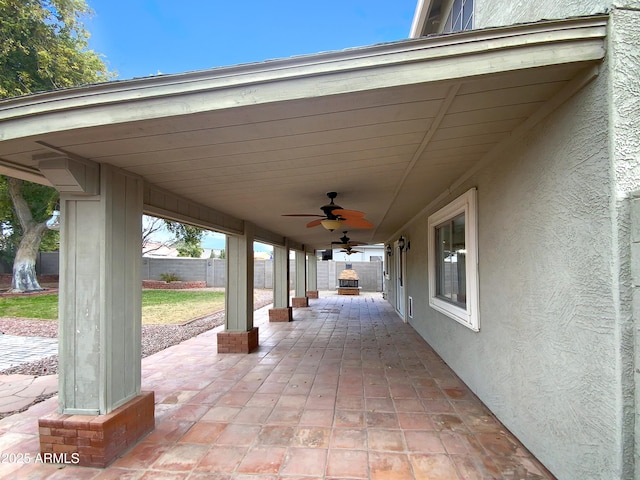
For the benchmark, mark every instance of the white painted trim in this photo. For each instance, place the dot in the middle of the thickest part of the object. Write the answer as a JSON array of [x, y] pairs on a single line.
[[420, 18], [467, 204], [450, 57]]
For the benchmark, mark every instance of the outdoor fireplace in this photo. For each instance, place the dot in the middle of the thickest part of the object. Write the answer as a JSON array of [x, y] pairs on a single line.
[[348, 282]]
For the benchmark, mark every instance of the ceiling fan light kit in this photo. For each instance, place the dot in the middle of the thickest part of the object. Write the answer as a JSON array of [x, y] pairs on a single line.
[[335, 216], [331, 224]]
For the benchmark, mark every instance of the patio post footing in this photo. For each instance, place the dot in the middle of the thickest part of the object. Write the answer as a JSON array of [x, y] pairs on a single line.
[[96, 440], [238, 342], [284, 314], [299, 302]]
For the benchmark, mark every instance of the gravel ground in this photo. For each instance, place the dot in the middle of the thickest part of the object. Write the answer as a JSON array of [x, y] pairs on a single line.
[[154, 337]]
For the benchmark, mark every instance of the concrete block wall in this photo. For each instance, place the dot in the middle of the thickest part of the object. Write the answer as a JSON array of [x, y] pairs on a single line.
[[214, 271]]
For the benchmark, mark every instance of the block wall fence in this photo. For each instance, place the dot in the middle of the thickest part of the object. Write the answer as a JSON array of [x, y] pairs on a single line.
[[213, 271]]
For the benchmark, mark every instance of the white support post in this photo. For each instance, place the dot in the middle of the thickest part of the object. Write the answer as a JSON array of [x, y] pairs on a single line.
[[100, 295], [240, 336]]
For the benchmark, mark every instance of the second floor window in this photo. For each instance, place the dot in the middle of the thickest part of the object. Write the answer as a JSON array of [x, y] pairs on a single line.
[[460, 16]]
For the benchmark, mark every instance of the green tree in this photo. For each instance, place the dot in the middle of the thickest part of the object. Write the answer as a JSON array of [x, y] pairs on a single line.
[[43, 46], [189, 239]]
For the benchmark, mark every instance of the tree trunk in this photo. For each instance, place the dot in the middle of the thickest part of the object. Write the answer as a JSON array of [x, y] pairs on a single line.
[[24, 266]]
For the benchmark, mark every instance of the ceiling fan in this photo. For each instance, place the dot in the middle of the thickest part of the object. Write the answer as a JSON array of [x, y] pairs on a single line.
[[335, 216], [348, 250], [346, 242]]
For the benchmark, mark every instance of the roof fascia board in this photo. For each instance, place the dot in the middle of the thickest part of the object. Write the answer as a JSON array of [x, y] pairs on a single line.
[[423, 8], [449, 57]]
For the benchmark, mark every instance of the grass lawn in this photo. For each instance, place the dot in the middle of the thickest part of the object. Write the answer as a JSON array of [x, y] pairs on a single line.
[[159, 307]]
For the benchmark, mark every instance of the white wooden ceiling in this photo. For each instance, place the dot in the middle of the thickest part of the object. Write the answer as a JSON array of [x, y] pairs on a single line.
[[387, 127]]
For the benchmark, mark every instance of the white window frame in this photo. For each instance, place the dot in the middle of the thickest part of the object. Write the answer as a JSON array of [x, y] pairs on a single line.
[[467, 204]]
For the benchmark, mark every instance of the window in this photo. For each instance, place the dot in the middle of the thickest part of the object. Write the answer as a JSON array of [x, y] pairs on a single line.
[[453, 260], [460, 16]]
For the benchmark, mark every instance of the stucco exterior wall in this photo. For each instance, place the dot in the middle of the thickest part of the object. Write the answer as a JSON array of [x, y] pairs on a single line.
[[492, 13], [551, 359]]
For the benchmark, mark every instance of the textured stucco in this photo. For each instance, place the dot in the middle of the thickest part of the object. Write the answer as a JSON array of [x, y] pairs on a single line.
[[624, 38], [554, 356], [491, 13]]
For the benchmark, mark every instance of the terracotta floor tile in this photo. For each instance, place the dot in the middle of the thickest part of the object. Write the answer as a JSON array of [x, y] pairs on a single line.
[[181, 457], [501, 444], [305, 461], [380, 404], [263, 460], [203, 432], [142, 455], [349, 418], [314, 437], [406, 405], [461, 443], [285, 415], [346, 402], [188, 413], [423, 441], [346, 391], [327, 402], [352, 438], [348, 464], [476, 467], [390, 466], [482, 423], [521, 467], [117, 473], [222, 459], [385, 440], [155, 475], [433, 467], [271, 387], [403, 391], [448, 422], [221, 414], [382, 420], [416, 421], [168, 431], [275, 435], [317, 417], [291, 401], [263, 400], [377, 391], [238, 399], [252, 415], [242, 435]]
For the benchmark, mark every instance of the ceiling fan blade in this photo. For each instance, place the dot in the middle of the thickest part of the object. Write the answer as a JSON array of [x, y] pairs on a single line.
[[347, 213], [314, 223], [357, 222], [301, 215]]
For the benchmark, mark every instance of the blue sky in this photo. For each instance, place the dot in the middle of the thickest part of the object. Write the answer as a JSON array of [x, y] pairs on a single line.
[[146, 37], [139, 38]]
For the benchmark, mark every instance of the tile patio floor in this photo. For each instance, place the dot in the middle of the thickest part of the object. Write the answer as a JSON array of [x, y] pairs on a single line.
[[345, 391]]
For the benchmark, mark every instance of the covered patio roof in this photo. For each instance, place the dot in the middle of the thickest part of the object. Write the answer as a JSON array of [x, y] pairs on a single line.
[[389, 127]]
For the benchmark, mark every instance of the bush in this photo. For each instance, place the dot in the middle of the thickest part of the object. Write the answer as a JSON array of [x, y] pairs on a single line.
[[169, 277]]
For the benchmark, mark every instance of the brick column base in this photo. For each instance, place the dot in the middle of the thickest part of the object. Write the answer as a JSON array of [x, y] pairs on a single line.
[[312, 293], [238, 342], [96, 440], [284, 314], [298, 302], [348, 291]]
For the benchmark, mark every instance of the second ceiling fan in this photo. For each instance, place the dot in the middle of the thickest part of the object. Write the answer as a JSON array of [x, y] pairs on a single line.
[[335, 216]]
